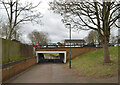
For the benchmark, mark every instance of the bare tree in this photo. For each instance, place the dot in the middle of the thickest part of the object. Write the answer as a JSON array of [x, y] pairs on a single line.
[[0, 28], [17, 33], [18, 12], [0, 33], [93, 37], [32, 38], [96, 15], [3, 28], [40, 38], [113, 39], [5, 31]]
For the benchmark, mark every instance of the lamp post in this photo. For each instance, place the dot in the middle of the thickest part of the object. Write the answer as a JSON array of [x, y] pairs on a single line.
[[68, 24]]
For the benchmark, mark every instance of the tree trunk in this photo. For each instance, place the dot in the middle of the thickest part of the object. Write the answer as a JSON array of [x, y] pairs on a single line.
[[10, 21], [106, 52], [10, 33]]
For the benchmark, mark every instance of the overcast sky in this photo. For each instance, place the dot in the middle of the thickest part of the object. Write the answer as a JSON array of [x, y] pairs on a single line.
[[51, 24]]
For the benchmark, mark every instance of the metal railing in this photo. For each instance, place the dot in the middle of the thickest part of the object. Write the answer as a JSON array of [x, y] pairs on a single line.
[[67, 46], [57, 46]]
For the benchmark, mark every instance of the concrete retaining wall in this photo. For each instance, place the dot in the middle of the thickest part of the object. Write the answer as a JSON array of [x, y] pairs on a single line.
[[14, 51], [13, 69]]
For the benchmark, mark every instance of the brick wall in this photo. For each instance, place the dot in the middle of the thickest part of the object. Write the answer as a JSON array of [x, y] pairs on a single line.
[[13, 69]]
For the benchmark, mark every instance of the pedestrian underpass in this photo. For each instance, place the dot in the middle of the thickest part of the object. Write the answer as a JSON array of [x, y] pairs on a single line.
[[41, 58], [19, 66]]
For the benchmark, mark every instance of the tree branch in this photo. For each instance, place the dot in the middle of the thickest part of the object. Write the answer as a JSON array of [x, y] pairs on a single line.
[[6, 10]]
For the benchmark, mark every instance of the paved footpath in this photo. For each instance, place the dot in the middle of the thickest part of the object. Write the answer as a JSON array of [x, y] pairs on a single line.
[[53, 73]]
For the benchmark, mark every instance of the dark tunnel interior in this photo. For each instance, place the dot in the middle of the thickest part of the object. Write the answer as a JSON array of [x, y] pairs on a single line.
[[42, 58]]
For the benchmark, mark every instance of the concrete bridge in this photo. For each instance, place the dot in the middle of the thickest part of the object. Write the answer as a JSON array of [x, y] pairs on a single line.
[[63, 52]]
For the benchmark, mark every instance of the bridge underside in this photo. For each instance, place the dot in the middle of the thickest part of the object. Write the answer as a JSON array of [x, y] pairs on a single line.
[[41, 57]]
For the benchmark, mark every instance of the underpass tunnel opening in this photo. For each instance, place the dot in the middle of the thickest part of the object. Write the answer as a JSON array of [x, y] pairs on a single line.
[[40, 55], [61, 56], [51, 56]]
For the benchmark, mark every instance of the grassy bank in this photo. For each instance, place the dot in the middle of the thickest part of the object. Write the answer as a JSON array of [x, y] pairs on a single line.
[[91, 64], [55, 54]]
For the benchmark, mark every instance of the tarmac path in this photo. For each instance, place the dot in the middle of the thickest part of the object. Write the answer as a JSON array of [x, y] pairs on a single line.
[[53, 73]]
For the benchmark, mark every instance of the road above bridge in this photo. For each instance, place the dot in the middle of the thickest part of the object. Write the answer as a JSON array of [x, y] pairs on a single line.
[[53, 73]]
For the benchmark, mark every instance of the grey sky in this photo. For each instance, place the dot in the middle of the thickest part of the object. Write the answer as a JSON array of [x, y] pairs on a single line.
[[51, 24]]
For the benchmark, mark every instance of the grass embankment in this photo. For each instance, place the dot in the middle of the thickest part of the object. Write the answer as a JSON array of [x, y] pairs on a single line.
[[91, 64], [55, 54]]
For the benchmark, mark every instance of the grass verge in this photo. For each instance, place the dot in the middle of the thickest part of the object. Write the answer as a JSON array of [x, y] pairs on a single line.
[[11, 59], [55, 54], [91, 64]]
